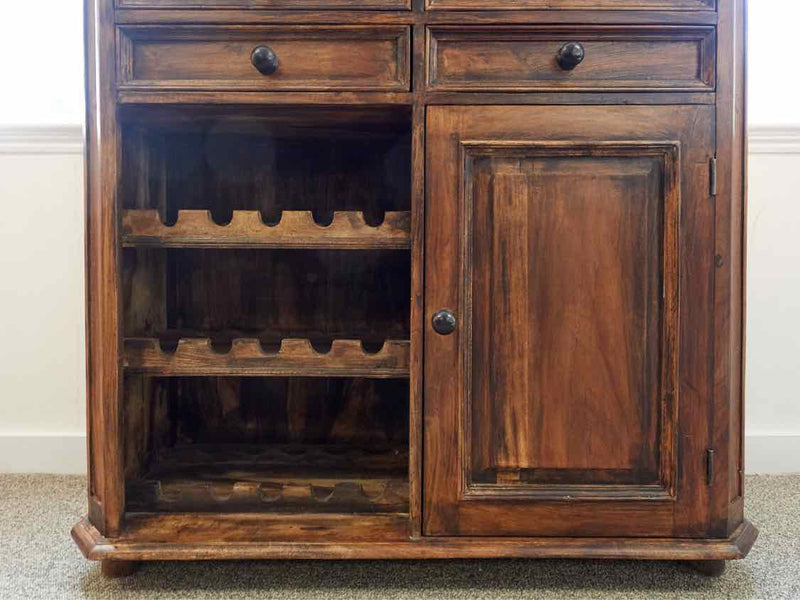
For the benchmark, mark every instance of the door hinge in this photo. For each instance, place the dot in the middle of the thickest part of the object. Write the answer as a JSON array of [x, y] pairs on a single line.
[[709, 467], [712, 179]]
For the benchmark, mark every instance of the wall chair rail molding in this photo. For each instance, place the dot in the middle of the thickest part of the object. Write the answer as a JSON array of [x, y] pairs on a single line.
[[41, 139], [774, 139]]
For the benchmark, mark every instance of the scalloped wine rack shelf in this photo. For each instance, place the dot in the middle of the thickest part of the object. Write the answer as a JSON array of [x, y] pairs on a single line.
[[296, 229], [276, 478], [247, 496], [296, 357]]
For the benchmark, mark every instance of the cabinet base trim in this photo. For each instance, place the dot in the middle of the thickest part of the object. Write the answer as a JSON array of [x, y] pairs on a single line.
[[96, 547]]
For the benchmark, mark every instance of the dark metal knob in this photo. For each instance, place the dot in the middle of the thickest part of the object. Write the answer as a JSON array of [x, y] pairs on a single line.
[[570, 55], [444, 322], [265, 60]]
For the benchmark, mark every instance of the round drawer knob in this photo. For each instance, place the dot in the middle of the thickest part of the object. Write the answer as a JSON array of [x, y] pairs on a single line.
[[444, 322], [265, 60], [570, 55]]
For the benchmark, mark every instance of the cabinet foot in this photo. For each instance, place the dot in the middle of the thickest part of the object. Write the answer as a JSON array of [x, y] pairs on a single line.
[[709, 568], [118, 568]]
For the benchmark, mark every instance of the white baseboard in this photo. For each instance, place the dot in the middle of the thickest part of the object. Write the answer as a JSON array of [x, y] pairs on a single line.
[[66, 453], [772, 453]]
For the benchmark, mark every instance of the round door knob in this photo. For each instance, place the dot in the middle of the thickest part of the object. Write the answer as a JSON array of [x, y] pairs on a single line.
[[444, 322], [570, 55], [265, 60]]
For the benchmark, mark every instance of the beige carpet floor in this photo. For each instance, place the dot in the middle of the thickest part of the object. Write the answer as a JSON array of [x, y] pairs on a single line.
[[39, 560]]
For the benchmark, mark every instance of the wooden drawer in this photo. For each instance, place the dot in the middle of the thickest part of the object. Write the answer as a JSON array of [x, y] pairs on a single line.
[[270, 4], [567, 4], [523, 59], [311, 58]]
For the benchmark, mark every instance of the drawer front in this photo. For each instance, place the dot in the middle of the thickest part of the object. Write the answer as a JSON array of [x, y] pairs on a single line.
[[569, 4], [270, 4], [309, 58], [614, 58]]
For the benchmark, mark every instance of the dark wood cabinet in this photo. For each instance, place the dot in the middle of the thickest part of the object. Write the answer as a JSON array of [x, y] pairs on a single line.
[[453, 278]]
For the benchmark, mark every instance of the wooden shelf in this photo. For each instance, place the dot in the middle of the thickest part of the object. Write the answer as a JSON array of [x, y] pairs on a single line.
[[273, 478], [294, 357], [296, 229]]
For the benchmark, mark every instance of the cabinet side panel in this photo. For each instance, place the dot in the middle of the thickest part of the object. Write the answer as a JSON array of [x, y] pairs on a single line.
[[728, 420], [103, 382]]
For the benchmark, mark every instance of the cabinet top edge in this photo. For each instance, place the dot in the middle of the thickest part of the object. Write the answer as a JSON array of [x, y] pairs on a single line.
[[471, 17]]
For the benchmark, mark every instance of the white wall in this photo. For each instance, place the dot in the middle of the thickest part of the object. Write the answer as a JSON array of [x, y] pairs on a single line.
[[774, 87], [41, 244], [42, 369], [42, 64], [773, 308], [772, 384]]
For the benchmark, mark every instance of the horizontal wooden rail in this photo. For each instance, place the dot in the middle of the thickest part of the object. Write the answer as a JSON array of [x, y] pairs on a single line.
[[283, 478], [324, 495], [296, 229], [294, 358]]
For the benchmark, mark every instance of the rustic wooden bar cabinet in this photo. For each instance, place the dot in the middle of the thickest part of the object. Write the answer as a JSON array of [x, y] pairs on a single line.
[[415, 279]]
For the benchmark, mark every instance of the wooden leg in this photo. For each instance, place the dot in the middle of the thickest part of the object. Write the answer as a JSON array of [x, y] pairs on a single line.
[[118, 568], [709, 568]]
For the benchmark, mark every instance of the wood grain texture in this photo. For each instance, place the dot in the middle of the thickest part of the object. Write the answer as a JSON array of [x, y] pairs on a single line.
[[264, 528], [490, 16], [272, 478], [606, 283], [258, 411], [572, 4], [616, 58], [417, 315], [295, 357], [730, 274], [267, 159], [288, 445], [267, 295], [103, 353], [186, 538], [426, 98], [541, 274], [247, 229], [268, 4], [218, 58], [514, 428]]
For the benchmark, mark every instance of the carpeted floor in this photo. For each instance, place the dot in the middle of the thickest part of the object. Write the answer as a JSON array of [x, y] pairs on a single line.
[[39, 560]]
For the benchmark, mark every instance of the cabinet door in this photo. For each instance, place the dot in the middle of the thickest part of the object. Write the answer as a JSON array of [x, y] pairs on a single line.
[[574, 247]]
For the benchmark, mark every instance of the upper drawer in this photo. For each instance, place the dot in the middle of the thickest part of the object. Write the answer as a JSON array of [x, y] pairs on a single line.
[[525, 59], [270, 4], [568, 4], [309, 58]]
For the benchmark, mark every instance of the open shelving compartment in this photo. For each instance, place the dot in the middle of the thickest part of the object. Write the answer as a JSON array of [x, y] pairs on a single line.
[[266, 299]]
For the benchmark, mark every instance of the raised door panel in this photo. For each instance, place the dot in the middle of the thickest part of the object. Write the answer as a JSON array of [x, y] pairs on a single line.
[[554, 407], [568, 278]]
